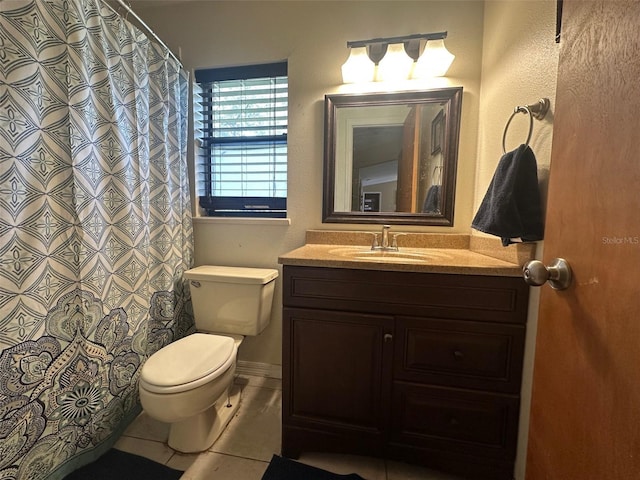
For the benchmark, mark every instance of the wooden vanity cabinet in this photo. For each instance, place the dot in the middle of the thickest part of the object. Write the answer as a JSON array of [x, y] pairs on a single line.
[[419, 367]]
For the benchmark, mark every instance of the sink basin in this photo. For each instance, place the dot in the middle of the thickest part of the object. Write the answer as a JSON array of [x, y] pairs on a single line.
[[407, 255]]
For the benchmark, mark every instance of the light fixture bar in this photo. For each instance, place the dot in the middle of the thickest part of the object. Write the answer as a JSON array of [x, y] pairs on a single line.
[[390, 40]]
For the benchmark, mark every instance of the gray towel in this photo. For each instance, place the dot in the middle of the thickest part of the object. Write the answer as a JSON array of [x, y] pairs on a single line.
[[511, 207], [432, 200]]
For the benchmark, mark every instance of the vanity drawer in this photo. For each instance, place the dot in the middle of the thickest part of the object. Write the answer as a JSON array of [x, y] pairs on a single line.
[[477, 355], [482, 298], [436, 418]]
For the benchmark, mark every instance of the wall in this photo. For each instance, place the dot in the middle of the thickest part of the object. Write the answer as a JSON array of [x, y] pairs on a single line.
[[508, 45], [312, 35], [519, 66]]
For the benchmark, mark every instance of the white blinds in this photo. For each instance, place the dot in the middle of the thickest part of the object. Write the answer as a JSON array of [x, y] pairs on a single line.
[[243, 132]]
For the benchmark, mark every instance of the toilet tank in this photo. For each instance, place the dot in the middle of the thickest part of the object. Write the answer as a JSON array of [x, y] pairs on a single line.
[[234, 300]]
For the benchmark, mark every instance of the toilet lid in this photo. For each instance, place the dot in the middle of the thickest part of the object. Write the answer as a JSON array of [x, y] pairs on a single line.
[[188, 363]]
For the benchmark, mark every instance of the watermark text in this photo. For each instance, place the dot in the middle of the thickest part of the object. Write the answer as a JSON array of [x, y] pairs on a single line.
[[621, 240]]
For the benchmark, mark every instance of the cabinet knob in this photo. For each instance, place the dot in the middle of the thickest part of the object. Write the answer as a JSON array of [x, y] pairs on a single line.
[[388, 337], [458, 354]]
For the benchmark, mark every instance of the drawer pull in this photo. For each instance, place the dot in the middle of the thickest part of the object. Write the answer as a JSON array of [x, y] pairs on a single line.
[[453, 421], [388, 337], [458, 354]]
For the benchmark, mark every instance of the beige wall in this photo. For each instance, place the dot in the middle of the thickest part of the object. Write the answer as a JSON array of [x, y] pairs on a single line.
[[312, 35], [519, 66], [505, 56]]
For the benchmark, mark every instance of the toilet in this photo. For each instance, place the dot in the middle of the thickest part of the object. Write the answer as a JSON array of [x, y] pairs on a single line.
[[187, 384]]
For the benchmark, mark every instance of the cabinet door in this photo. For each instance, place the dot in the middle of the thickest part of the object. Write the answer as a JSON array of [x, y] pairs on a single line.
[[337, 370]]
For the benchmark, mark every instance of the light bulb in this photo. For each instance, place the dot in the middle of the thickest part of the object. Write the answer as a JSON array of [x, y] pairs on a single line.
[[358, 67], [434, 61], [395, 65]]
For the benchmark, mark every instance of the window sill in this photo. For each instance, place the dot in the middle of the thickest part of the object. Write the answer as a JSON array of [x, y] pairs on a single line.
[[244, 221]]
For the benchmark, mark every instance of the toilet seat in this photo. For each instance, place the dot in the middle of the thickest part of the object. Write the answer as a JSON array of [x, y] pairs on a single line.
[[188, 363]]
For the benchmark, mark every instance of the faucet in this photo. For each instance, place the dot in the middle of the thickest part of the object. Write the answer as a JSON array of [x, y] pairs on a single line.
[[385, 236], [385, 244]]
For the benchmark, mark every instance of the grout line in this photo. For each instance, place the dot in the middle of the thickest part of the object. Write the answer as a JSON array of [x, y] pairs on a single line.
[[238, 456], [144, 438]]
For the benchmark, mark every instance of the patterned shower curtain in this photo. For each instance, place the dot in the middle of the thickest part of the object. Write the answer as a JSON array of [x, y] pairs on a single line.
[[95, 227]]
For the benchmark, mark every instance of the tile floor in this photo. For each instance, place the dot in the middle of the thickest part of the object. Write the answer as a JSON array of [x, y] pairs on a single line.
[[244, 449]]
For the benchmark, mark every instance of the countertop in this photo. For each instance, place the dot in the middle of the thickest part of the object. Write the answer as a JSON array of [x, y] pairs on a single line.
[[432, 255]]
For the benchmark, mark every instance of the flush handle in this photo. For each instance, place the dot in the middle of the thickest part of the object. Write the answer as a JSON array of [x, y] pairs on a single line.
[[195, 283], [558, 273]]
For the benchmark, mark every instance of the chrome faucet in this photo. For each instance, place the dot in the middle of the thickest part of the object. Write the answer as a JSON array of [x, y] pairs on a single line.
[[385, 243], [385, 236]]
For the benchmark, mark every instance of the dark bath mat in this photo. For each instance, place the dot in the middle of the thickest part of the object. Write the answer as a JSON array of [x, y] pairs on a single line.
[[284, 469], [118, 465]]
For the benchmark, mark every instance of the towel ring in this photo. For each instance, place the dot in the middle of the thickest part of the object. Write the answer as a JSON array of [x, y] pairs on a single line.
[[538, 111], [436, 169]]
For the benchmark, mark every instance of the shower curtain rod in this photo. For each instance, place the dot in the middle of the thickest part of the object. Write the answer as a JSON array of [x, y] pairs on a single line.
[[145, 26]]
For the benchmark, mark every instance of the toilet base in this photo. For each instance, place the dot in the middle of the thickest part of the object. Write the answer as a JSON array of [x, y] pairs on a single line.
[[198, 433]]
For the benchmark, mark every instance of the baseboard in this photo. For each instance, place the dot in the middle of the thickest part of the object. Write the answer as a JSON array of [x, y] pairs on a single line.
[[258, 369]]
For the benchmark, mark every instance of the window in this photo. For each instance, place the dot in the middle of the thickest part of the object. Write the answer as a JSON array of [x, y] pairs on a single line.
[[241, 122]]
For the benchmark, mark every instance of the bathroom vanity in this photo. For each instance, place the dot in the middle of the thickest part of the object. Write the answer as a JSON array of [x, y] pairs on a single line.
[[419, 361]]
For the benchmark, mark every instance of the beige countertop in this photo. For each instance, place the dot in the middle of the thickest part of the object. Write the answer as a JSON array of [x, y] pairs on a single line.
[[422, 253]]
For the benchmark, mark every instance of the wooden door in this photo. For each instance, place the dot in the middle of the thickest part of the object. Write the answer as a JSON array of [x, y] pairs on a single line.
[[585, 414], [407, 188]]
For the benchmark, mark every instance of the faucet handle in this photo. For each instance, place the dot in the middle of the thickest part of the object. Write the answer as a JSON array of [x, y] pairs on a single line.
[[375, 243], [394, 240]]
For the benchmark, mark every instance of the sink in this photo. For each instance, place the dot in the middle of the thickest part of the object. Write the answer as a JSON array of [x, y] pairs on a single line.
[[405, 255]]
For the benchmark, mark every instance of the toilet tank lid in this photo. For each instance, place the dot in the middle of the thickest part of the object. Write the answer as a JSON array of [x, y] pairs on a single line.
[[213, 273]]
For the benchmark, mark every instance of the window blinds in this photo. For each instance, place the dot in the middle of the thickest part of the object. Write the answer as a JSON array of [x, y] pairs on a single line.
[[242, 124]]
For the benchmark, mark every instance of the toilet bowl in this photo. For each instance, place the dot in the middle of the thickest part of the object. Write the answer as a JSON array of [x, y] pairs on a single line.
[[188, 383]]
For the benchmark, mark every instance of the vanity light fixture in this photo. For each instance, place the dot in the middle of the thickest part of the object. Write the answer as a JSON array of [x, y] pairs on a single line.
[[397, 58]]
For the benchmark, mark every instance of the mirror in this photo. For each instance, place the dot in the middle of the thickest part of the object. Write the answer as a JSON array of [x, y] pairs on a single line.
[[391, 157]]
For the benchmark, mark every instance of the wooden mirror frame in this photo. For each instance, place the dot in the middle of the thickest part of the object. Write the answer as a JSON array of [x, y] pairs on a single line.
[[452, 100]]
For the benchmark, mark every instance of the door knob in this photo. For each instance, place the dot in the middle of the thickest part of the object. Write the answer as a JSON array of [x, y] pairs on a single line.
[[558, 274]]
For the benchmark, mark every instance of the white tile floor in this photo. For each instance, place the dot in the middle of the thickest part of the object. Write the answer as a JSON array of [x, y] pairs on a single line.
[[244, 449]]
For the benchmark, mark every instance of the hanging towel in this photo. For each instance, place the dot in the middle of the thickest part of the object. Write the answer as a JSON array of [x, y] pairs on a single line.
[[432, 200], [511, 208]]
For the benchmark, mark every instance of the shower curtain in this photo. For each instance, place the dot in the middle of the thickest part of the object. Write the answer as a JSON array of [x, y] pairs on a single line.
[[95, 227]]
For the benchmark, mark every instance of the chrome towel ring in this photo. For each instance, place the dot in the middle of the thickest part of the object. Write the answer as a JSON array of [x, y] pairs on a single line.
[[537, 110]]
